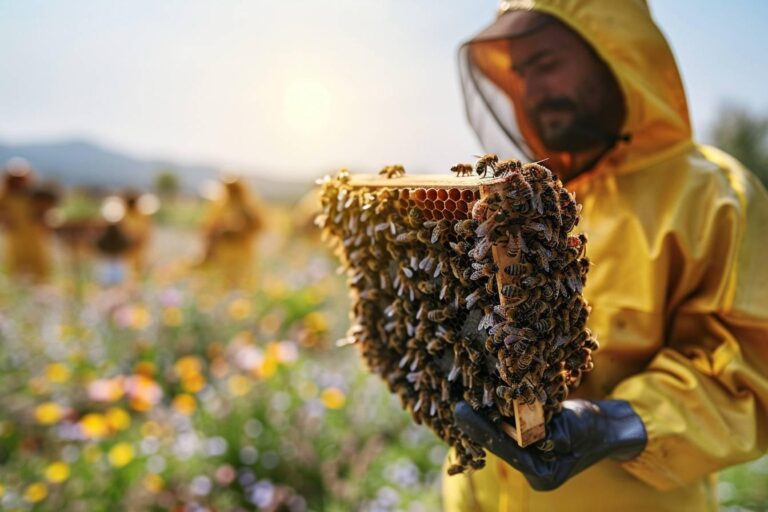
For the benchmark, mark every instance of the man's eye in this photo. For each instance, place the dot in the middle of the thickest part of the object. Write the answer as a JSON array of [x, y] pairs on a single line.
[[546, 66]]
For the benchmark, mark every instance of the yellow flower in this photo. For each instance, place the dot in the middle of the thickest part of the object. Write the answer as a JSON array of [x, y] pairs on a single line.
[[48, 413], [153, 483], [35, 492], [185, 404], [57, 472], [239, 385], [193, 383], [268, 367], [94, 426], [57, 372], [139, 318], [120, 454], [316, 322], [333, 398], [173, 317], [188, 366], [117, 418], [2, 490], [275, 289], [145, 368], [239, 309]]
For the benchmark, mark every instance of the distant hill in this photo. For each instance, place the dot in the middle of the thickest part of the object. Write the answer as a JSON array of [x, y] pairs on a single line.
[[83, 163]]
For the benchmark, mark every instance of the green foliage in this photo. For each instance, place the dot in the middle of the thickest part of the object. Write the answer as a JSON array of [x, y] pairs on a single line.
[[166, 183], [744, 135]]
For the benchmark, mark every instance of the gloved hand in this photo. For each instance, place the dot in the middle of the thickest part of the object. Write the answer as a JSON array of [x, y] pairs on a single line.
[[583, 433]]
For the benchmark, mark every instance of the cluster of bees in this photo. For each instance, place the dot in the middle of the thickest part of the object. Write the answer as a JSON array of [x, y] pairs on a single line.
[[485, 307]]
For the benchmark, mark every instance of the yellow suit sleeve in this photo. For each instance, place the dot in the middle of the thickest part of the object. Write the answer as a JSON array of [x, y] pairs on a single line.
[[704, 396]]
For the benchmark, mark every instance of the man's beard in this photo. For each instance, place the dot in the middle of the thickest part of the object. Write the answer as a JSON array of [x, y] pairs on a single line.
[[580, 132]]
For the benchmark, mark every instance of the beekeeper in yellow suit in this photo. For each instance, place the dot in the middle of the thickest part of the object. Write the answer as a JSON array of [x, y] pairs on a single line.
[[22, 218], [678, 233], [137, 227], [229, 231]]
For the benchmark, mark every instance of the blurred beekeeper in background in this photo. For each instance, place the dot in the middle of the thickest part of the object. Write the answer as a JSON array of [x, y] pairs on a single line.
[[23, 208], [229, 232], [678, 289]]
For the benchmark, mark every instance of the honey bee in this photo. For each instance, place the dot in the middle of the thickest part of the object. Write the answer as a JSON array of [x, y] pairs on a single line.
[[486, 163], [479, 210], [507, 166], [439, 315], [526, 393], [462, 170], [465, 228], [517, 269], [392, 171]]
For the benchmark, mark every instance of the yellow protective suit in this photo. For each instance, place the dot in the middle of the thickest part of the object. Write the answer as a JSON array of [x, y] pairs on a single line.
[[26, 237], [137, 227], [679, 293], [229, 230]]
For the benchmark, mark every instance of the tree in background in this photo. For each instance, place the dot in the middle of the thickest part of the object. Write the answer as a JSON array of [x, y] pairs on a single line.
[[166, 183], [744, 135]]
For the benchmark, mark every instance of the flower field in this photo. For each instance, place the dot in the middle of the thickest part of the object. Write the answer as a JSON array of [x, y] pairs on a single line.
[[169, 396]]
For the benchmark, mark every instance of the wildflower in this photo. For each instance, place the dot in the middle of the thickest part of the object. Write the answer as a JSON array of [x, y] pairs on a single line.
[[105, 390], [239, 385], [188, 366], [173, 317], [143, 392], [153, 483], [239, 309], [57, 372], [35, 492], [333, 398], [120, 454], [145, 368], [94, 426], [316, 322], [139, 318], [48, 413], [184, 404], [117, 418], [57, 472]]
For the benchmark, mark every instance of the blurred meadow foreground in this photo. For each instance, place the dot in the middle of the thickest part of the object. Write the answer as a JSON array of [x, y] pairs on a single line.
[[161, 389]]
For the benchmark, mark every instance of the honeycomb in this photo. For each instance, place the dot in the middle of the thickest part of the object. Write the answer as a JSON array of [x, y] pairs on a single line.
[[465, 288]]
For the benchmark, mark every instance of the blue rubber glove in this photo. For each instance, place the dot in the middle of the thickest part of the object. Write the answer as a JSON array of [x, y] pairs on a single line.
[[583, 433]]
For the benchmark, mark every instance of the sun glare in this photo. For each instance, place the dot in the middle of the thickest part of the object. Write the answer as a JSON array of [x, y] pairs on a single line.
[[307, 105]]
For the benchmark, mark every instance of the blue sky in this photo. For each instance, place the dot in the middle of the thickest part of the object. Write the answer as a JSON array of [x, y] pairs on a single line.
[[298, 87]]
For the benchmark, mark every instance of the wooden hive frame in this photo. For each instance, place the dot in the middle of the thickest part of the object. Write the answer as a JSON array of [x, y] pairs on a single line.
[[529, 418]]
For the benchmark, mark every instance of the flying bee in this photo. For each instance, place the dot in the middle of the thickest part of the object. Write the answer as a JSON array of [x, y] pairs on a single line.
[[486, 163], [392, 171], [462, 170]]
